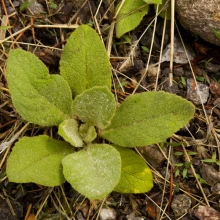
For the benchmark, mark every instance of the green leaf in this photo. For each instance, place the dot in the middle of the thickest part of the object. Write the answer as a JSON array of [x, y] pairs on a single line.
[[95, 106], [178, 153], [84, 62], [69, 130], [166, 9], [38, 160], [209, 160], [5, 27], [153, 1], [216, 33], [178, 164], [136, 176], [185, 170], [38, 97], [214, 156], [130, 16], [148, 118], [93, 172], [88, 133]]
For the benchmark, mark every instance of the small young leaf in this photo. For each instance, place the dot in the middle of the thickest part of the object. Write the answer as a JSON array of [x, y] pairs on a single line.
[[178, 164], [95, 106], [178, 153], [38, 97], [88, 133], [38, 160], [136, 176], [148, 118], [185, 170], [84, 62], [69, 130], [93, 172], [130, 16]]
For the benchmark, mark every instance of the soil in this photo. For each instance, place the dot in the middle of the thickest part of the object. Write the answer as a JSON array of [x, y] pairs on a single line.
[[186, 183]]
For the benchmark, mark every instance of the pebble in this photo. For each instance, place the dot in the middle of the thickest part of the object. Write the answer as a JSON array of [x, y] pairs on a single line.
[[36, 8], [206, 213], [179, 55], [216, 188], [212, 68], [5, 210], [133, 217], [153, 155], [193, 93], [107, 214], [181, 204], [209, 174]]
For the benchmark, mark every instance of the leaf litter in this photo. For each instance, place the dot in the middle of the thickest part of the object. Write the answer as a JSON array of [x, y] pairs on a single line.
[[46, 38]]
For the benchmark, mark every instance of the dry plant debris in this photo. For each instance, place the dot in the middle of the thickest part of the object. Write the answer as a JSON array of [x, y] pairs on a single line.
[[179, 170]]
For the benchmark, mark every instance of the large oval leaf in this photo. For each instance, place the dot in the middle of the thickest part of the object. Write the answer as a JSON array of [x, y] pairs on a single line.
[[38, 97], [148, 118], [130, 16], [93, 172], [84, 62], [136, 176], [38, 160], [95, 106]]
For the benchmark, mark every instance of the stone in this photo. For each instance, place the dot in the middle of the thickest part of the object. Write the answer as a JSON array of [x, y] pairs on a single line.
[[209, 174], [5, 210], [216, 188], [107, 214], [36, 8], [194, 93], [181, 204], [206, 213], [179, 54], [200, 17], [212, 68], [133, 217]]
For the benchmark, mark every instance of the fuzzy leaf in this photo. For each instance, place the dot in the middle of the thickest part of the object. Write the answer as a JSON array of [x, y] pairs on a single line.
[[69, 130], [88, 133], [136, 176], [95, 106], [93, 172], [148, 118], [38, 97], [38, 160], [84, 62], [130, 16]]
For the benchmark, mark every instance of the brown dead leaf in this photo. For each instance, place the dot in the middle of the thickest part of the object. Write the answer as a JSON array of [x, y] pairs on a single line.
[[31, 217]]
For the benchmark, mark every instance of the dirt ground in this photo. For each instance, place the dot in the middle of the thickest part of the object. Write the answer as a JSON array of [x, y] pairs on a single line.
[[186, 168]]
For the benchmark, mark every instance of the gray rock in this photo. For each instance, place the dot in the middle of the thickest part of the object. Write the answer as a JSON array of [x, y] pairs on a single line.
[[216, 188], [179, 54], [181, 204], [212, 68], [133, 217], [36, 8], [193, 92], [107, 214], [206, 213], [5, 210], [209, 174], [200, 17]]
